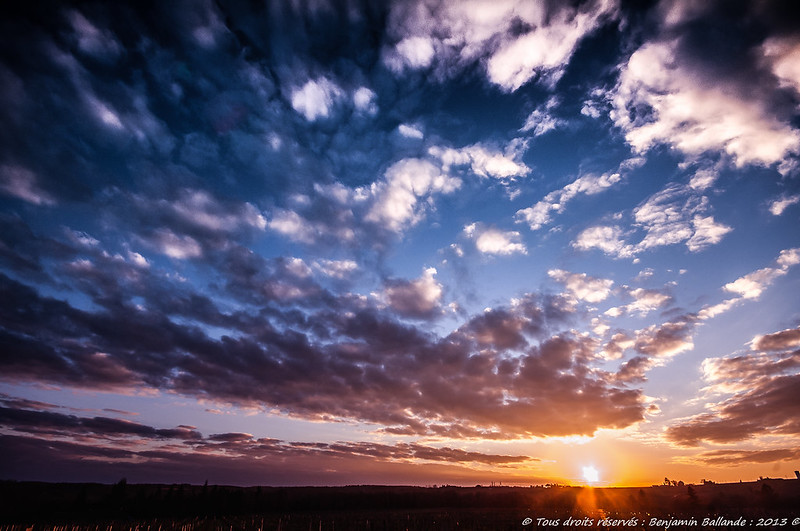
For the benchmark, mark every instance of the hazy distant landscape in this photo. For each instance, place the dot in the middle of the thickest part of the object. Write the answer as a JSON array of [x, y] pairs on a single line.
[[79, 506]]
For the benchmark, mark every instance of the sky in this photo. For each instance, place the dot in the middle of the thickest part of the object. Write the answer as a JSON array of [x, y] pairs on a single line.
[[416, 242]]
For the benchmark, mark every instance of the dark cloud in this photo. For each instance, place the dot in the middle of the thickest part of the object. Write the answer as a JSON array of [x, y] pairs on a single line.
[[653, 345], [28, 458], [419, 298], [782, 340], [771, 408], [64, 441], [46, 423], [765, 388], [741, 457], [378, 370]]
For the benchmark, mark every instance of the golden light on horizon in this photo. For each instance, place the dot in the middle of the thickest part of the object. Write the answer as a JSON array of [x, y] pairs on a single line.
[[591, 474]]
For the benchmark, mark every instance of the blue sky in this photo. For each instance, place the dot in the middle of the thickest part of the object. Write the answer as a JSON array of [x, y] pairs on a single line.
[[400, 242]]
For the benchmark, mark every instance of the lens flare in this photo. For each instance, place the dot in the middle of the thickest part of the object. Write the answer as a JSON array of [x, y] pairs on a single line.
[[590, 474]]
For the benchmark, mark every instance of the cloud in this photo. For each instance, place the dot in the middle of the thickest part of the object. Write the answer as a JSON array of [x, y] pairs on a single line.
[[644, 302], [489, 240], [412, 52], [546, 49], [541, 121], [673, 215], [396, 203], [778, 206], [199, 209], [315, 100], [111, 442], [175, 245], [410, 131], [99, 43], [679, 90], [608, 239], [540, 214], [785, 339], [582, 286], [248, 463], [335, 268], [485, 161], [781, 54], [751, 285], [298, 228], [22, 183], [647, 300], [420, 298], [654, 345], [51, 423], [378, 370], [364, 101], [741, 457], [515, 42], [763, 387]]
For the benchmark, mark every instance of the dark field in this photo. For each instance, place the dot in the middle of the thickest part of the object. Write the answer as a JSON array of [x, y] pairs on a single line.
[[26, 505]]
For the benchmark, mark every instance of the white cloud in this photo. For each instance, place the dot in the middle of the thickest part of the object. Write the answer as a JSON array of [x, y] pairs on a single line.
[[335, 268], [706, 232], [364, 101], [675, 214], [297, 228], [703, 179], [489, 240], [780, 205], [540, 121], [397, 197], [607, 239], [539, 214], [452, 34], [199, 208], [98, 43], [646, 300], [316, 98], [546, 49], [412, 52], [176, 246], [751, 285], [485, 161], [410, 131], [105, 113], [783, 56], [694, 117], [582, 286], [22, 183], [789, 257], [297, 267], [138, 259]]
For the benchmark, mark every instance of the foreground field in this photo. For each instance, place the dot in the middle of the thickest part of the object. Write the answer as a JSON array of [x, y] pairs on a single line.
[[764, 504]]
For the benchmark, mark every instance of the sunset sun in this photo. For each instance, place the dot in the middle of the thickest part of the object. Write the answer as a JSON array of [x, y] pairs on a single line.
[[590, 474]]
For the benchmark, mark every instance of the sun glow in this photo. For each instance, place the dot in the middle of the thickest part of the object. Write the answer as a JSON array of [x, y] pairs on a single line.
[[590, 474]]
